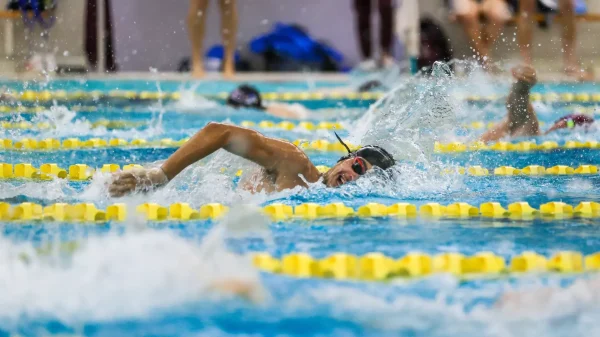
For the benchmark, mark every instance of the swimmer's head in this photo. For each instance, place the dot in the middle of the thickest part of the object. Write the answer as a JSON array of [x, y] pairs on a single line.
[[370, 86], [574, 120], [356, 163], [245, 96]]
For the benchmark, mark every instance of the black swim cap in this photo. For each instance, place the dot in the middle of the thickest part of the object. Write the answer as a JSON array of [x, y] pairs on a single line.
[[245, 96], [370, 85], [375, 155]]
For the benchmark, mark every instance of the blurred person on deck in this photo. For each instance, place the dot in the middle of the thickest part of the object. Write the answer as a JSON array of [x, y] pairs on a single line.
[[482, 35], [386, 26], [196, 21], [527, 14]]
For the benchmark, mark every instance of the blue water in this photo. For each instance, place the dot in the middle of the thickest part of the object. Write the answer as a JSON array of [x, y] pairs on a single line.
[[211, 87], [139, 279], [206, 87]]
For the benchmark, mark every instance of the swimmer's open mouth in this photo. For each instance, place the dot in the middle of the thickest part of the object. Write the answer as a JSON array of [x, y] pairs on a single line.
[[341, 180]]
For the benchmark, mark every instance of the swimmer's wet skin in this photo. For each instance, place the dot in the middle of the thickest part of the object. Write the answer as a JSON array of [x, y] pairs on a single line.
[[521, 119], [247, 96], [284, 164]]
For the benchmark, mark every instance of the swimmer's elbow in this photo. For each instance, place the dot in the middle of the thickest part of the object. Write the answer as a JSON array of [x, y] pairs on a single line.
[[232, 138], [218, 131], [214, 126]]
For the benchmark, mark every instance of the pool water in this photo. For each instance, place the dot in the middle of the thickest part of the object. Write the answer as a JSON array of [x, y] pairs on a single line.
[[140, 278]]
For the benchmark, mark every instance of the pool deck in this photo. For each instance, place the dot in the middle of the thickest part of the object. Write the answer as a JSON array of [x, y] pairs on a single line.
[[543, 76]]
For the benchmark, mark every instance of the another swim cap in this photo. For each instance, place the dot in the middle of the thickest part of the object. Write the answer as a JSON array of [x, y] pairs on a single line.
[[574, 120], [375, 155], [370, 85], [245, 96]]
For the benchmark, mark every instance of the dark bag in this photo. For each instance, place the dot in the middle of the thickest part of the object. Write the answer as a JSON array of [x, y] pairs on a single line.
[[291, 48], [434, 44]]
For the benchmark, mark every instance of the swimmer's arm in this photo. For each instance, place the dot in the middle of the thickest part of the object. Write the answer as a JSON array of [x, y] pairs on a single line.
[[285, 111], [246, 143], [517, 104], [520, 111], [562, 124], [496, 133]]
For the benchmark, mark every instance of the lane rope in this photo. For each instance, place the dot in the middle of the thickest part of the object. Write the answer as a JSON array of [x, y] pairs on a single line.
[[375, 266], [78, 172], [120, 124], [88, 212], [551, 97], [379, 267], [525, 146], [323, 145], [108, 124], [127, 95], [52, 144]]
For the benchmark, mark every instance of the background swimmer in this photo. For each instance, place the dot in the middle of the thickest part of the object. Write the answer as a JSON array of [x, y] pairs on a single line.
[[521, 119], [581, 293], [247, 96]]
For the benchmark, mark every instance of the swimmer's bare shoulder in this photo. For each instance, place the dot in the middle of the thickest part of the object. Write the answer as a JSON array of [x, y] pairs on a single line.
[[280, 158]]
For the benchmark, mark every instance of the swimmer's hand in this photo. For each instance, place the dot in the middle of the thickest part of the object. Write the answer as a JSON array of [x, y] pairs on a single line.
[[526, 77], [247, 290], [139, 180]]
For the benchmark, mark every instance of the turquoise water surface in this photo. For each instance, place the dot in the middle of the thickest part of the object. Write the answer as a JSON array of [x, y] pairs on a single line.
[[148, 278]]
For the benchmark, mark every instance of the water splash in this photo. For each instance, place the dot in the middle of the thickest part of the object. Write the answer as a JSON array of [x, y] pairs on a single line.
[[190, 101], [67, 123], [120, 276], [158, 109], [409, 118]]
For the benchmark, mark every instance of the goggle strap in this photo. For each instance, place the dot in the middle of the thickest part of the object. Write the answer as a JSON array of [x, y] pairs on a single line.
[[342, 142]]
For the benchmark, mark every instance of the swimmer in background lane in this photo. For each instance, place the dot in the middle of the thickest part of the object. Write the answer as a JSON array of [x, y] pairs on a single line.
[[245, 289], [521, 119], [582, 293], [247, 96], [284, 165]]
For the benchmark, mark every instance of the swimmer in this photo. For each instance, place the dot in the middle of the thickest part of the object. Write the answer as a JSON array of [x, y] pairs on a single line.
[[284, 165], [245, 289], [247, 96], [521, 119], [581, 293], [373, 85]]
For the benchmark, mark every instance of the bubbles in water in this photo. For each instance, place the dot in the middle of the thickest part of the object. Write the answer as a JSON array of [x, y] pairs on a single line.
[[123, 276], [408, 119]]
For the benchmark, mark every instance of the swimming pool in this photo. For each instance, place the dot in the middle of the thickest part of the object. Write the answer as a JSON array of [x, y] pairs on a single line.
[[138, 277]]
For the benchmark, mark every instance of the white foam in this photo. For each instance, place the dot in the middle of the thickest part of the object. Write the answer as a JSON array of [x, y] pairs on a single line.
[[190, 102], [51, 190], [121, 276], [409, 118]]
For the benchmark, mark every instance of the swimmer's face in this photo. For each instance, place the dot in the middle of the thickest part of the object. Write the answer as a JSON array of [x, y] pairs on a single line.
[[343, 172]]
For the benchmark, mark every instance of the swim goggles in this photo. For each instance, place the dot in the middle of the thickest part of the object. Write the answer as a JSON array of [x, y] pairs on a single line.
[[359, 166]]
